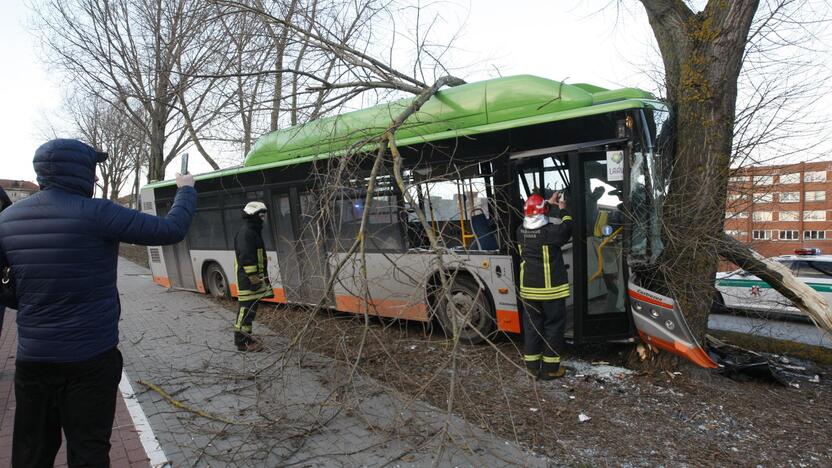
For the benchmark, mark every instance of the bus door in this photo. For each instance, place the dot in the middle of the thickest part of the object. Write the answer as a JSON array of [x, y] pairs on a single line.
[[286, 246], [178, 264], [597, 305], [312, 250], [300, 247], [600, 283]]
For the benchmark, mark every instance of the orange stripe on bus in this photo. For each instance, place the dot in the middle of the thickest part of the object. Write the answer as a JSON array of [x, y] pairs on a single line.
[[508, 320], [695, 354], [644, 298], [279, 296], [161, 280], [233, 287], [200, 287], [383, 307]]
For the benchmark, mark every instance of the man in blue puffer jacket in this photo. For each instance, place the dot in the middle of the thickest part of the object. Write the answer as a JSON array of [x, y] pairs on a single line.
[[63, 248]]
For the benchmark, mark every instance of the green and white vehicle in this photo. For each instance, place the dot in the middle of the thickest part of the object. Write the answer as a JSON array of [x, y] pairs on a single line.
[[472, 155], [741, 291]]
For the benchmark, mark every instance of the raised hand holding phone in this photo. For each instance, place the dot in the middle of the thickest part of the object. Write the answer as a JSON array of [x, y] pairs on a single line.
[[184, 179]]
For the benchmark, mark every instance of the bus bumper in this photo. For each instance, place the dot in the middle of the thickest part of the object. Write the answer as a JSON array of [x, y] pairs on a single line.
[[660, 323]]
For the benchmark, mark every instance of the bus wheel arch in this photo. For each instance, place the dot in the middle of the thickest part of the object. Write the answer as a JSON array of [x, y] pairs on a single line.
[[215, 280], [468, 294]]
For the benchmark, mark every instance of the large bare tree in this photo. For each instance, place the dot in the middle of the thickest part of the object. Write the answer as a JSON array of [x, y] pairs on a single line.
[[136, 53], [703, 53]]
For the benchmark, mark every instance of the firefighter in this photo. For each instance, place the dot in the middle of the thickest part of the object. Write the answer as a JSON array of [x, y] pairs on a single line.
[[544, 284], [252, 274]]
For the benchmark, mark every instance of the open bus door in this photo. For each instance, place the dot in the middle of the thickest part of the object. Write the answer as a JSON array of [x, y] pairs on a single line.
[[598, 302]]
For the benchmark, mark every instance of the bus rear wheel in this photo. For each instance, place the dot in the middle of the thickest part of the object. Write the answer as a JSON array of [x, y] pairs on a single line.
[[472, 311], [216, 282]]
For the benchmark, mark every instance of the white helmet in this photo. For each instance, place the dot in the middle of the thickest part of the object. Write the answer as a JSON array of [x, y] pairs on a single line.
[[254, 207]]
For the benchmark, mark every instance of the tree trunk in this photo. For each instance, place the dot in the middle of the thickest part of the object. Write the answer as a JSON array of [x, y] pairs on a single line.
[[702, 53]]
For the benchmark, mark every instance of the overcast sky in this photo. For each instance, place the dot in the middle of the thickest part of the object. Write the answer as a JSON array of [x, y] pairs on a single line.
[[563, 40]]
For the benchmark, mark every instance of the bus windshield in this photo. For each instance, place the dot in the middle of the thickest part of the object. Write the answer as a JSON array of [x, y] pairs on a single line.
[[648, 185]]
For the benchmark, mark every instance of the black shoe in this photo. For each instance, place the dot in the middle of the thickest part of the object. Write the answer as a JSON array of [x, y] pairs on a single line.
[[253, 347]]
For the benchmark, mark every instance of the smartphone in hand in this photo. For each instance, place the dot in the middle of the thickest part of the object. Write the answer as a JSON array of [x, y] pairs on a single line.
[[184, 169]]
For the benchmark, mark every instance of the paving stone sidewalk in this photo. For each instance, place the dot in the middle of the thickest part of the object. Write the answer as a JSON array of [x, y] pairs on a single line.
[[274, 408]]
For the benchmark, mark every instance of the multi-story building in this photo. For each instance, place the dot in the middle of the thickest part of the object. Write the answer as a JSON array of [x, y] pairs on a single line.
[[777, 209], [18, 189]]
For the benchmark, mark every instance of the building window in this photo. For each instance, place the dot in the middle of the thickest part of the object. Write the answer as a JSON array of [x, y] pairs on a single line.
[[816, 195], [815, 215], [789, 197], [762, 216], [763, 180], [793, 178], [814, 235], [735, 234], [816, 176], [738, 179], [789, 216], [735, 196], [789, 235], [761, 235], [762, 198], [737, 215]]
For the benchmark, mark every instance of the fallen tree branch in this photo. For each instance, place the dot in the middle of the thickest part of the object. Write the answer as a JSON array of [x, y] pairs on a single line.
[[183, 406]]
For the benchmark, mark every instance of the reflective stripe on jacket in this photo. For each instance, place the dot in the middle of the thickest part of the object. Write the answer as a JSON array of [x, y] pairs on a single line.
[[543, 273], [250, 260]]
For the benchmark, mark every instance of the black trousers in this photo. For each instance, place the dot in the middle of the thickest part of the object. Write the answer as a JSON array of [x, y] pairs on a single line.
[[79, 397], [242, 326], [543, 326]]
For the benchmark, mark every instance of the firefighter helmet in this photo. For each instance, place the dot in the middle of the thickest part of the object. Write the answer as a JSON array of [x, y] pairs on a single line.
[[535, 205], [255, 207]]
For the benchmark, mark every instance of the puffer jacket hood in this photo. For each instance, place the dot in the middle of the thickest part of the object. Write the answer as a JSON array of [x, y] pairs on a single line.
[[67, 165]]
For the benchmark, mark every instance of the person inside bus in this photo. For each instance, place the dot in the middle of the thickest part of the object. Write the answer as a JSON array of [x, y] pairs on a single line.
[[544, 283], [252, 274], [62, 245]]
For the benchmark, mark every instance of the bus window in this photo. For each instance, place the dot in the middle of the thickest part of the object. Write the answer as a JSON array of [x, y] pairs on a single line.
[[233, 205], [383, 230], [459, 211], [206, 232]]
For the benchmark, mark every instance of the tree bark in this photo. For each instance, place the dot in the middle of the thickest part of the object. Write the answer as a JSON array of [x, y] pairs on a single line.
[[702, 53]]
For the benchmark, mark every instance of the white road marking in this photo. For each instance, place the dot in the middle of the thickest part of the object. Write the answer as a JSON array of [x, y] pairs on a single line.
[[146, 436]]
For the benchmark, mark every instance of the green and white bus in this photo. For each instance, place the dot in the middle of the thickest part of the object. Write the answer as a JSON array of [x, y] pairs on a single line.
[[472, 155]]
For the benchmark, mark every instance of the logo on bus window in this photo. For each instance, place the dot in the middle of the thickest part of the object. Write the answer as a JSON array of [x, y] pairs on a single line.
[[615, 166]]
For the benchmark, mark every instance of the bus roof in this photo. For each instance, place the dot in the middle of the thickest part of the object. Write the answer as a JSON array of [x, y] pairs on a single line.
[[480, 107]]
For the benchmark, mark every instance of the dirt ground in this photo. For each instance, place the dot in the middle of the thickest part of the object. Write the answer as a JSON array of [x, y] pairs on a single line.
[[634, 419]]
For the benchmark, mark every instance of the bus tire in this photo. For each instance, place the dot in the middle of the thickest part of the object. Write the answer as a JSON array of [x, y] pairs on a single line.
[[467, 295], [216, 283]]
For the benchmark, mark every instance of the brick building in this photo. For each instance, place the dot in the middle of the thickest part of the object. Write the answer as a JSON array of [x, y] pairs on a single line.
[[18, 189], [777, 209]]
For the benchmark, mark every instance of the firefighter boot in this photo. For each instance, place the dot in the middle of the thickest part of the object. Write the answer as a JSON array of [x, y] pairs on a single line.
[[551, 369], [532, 364]]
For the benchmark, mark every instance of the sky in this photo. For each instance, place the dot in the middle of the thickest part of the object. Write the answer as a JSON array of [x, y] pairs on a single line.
[[568, 40]]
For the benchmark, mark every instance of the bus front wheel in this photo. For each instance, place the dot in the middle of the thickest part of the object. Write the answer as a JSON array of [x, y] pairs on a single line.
[[216, 282], [471, 311]]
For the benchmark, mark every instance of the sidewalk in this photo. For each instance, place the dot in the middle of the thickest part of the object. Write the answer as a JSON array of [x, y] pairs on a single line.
[[126, 448], [274, 408]]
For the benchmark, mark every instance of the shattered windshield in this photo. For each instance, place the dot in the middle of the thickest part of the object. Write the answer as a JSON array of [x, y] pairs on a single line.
[[648, 184]]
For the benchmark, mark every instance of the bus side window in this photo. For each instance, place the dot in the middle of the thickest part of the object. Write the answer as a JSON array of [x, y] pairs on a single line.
[[382, 232], [458, 211]]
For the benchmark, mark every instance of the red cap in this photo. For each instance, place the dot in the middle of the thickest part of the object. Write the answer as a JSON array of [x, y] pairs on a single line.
[[535, 205]]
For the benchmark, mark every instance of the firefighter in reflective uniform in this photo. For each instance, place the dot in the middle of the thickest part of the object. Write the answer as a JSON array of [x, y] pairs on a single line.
[[544, 284], [252, 269]]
